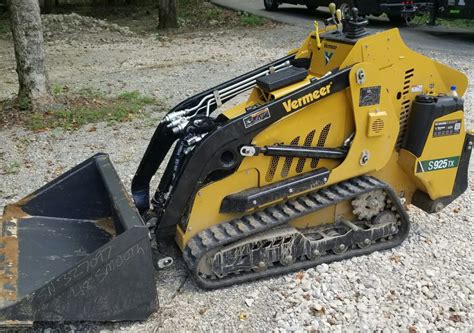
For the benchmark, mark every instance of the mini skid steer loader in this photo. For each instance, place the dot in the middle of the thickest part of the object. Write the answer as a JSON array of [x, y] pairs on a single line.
[[317, 165]]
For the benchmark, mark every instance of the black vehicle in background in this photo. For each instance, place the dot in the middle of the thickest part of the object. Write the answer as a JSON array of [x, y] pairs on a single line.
[[454, 9], [397, 11]]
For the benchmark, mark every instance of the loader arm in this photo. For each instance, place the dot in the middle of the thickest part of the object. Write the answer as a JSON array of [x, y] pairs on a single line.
[[164, 137]]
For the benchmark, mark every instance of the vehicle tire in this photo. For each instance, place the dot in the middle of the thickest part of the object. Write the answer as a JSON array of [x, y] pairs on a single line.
[[394, 18], [270, 5], [398, 19], [346, 7], [311, 7]]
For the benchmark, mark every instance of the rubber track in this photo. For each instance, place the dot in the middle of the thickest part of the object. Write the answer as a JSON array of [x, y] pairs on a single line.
[[260, 221]]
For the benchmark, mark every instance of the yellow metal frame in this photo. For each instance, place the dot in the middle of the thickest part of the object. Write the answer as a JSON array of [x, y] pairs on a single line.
[[386, 62]]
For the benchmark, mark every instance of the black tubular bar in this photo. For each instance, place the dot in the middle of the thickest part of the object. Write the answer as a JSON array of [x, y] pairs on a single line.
[[308, 152]]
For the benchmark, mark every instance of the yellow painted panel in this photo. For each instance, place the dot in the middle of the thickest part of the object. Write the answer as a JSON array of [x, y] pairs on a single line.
[[377, 147], [205, 210], [398, 179], [329, 57]]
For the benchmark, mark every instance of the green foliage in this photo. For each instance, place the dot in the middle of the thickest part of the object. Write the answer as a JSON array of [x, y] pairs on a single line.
[[111, 110], [91, 93], [24, 103], [195, 13], [136, 97], [424, 18], [457, 23], [57, 89], [4, 27], [12, 168], [251, 20]]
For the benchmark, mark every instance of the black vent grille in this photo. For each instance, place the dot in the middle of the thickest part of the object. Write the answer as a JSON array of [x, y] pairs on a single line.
[[405, 106], [272, 169], [307, 143], [321, 141], [288, 161]]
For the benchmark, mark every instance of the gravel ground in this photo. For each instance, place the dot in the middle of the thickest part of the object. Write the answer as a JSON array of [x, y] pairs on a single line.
[[73, 24], [425, 284]]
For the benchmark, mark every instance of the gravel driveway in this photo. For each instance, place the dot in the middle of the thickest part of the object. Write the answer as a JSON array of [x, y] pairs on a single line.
[[425, 284]]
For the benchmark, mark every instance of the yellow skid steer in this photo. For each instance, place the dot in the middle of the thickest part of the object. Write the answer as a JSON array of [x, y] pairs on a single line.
[[318, 164]]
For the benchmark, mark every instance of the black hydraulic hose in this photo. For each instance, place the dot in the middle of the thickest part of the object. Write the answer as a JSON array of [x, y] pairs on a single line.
[[163, 139], [178, 155], [169, 176], [159, 145]]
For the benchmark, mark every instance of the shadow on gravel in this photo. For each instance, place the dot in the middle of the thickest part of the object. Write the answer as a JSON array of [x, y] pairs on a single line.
[[454, 36]]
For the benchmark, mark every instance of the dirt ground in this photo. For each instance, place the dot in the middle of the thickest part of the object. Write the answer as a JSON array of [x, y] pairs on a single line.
[[430, 285], [159, 64]]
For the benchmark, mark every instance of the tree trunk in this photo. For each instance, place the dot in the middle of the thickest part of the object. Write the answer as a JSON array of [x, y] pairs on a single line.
[[167, 14], [30, 64], [48, 6]]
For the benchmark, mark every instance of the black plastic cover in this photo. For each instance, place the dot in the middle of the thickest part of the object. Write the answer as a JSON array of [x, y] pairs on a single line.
[[282, 78], [425, 109]]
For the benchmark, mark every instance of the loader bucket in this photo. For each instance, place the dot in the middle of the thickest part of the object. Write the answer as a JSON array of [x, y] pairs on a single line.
[[76, 250]]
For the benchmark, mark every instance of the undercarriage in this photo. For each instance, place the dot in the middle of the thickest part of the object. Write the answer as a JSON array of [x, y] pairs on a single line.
[[263, 243]]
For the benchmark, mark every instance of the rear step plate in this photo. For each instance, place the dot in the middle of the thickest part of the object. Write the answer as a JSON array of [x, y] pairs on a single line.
[[257, 196]]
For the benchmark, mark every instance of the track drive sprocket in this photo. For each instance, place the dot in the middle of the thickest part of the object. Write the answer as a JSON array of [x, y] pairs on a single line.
[[368, 205]]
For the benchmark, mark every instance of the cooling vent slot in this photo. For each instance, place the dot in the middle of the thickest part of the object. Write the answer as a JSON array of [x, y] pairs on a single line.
[[307, 143], [405, 106], [272, 169], [321, 141], [288, 161], [377, 125]]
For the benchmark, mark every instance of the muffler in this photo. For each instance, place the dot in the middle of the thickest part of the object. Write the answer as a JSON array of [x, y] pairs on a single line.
[[76, 249]]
